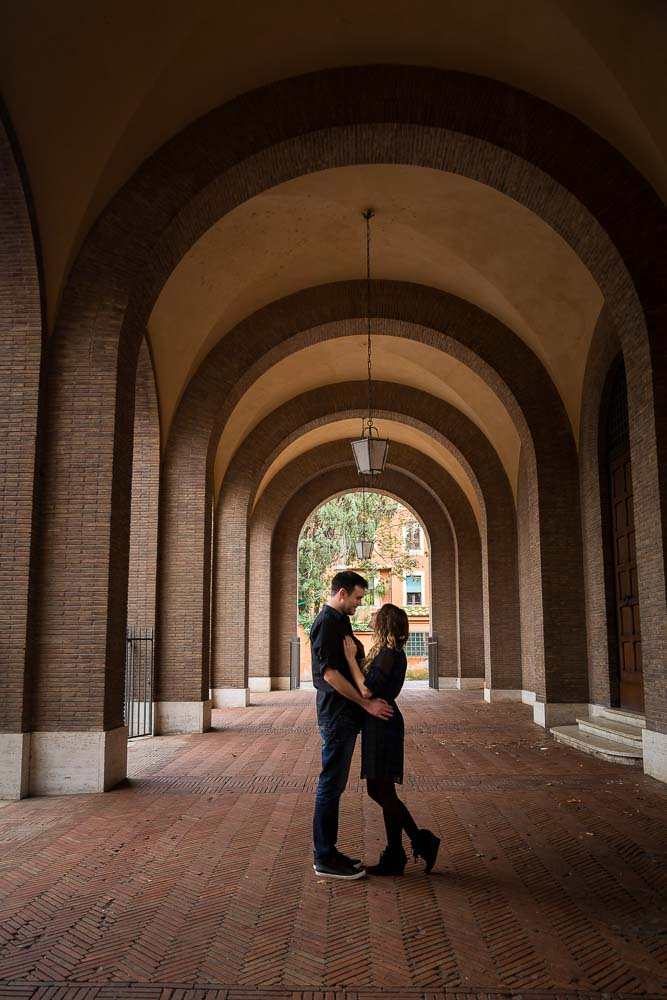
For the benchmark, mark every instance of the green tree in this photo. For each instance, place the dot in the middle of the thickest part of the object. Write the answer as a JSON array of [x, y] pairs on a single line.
[[327, 539]]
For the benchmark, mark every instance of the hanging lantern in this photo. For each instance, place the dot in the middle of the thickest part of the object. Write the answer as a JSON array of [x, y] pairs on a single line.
[[370, 450], [364, 549]]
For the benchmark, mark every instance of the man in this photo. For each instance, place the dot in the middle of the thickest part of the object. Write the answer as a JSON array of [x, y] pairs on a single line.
[[340, 709]]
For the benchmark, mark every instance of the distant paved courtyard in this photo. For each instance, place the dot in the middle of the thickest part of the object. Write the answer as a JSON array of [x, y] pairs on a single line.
[[195, 881]]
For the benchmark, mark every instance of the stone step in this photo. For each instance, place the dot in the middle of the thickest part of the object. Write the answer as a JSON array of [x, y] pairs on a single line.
[[598, 746], [619, 715], [609, 729]]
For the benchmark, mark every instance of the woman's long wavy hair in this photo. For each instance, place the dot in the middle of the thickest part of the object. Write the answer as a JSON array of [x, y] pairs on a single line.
[[391, 629]]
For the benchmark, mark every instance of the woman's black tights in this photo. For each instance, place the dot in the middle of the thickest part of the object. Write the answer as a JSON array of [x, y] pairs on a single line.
[[396, 815]]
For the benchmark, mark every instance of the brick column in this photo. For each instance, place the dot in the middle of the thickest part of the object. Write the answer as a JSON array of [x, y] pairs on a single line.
[[79, 742], [145, 497], [184, 587], [20, 364]]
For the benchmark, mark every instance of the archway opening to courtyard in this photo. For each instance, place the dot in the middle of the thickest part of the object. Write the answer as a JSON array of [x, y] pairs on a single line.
[[397, 568]]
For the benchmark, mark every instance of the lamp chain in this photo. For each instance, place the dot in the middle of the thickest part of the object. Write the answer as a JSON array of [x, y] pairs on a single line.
[[368, 215]]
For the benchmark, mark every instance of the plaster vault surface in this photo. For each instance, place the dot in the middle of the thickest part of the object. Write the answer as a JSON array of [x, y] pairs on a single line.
[[91, 100], [432, 228]]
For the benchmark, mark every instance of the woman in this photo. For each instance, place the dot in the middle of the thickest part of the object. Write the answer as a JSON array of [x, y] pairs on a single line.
[[382, 674]]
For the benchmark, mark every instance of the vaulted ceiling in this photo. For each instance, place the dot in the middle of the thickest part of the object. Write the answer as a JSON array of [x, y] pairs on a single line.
[[94, 89]]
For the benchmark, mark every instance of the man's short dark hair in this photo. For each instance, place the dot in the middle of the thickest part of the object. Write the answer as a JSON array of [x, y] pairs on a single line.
[[347, 580]]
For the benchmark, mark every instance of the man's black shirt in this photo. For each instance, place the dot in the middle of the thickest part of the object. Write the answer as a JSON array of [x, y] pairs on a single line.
[[326, 650]]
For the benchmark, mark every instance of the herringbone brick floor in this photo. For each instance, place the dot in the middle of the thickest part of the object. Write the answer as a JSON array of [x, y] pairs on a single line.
[[195, 880]]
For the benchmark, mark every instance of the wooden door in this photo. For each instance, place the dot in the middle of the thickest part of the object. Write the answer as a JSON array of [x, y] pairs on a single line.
[[627, 590]]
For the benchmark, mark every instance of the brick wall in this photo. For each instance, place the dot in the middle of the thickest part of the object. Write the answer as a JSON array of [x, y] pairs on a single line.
[[145, 494]]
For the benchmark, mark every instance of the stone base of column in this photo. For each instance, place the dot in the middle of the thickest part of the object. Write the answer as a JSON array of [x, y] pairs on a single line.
[[501, 694], [75, 763], [259, 684], [280, 684], [448, 683], [654, 746], [172, 717], [528, 697], [461, 683], [230, 697], [14, 765], [553, 713]]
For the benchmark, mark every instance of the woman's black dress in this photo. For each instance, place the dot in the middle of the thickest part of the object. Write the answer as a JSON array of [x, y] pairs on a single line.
[[382, 742]]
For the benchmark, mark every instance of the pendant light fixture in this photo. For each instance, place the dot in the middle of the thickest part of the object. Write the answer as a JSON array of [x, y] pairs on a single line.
[[364, 545], [370, 450]]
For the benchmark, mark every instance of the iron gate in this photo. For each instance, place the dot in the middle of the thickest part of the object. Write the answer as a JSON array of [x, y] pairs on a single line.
[[433, 677], [138, 716]]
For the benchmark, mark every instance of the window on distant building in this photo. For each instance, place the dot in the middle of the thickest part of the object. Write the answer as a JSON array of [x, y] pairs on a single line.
[[413, 537], [416, 644], [413, 589]]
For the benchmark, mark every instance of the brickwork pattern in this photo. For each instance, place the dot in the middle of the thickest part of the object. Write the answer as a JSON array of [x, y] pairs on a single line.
[[195, 879], [20, 361], [530, 593], [84, 536], [145, 494], [274, 594]]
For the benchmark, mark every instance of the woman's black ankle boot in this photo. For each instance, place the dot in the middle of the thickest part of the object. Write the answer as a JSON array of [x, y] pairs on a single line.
[[392, 862], [425, 845]]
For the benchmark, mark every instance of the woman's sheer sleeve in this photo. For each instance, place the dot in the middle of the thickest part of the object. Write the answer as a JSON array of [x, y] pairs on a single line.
[[381, 669]]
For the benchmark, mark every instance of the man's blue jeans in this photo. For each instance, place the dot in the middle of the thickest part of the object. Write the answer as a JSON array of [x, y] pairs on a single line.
[[338, 742]]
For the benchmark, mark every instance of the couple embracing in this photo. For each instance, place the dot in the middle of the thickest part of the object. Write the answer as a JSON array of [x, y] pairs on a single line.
[[356, 692]]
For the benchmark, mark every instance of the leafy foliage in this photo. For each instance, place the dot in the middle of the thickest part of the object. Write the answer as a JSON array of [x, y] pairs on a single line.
[[327, 541]]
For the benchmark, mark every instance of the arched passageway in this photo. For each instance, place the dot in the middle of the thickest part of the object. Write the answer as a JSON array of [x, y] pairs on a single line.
[[456, 567], [492, 137]]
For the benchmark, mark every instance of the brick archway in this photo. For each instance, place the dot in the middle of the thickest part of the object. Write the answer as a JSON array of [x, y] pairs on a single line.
[[264, 338], [21, 335], [439, 503], [341, 401], [283, 579], [445, 120]]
